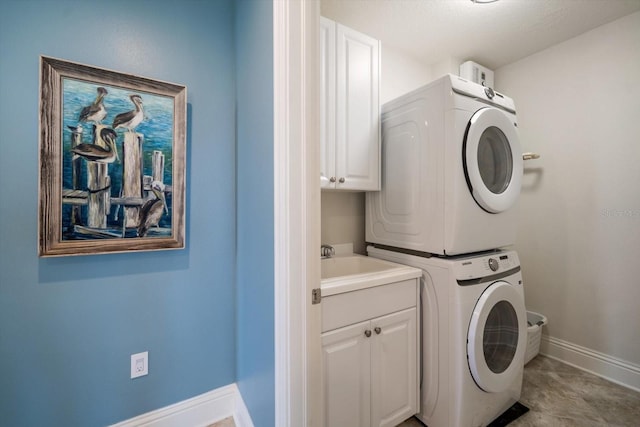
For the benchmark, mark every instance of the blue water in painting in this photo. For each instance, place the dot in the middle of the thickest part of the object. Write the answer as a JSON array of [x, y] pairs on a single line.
[[157, 128]]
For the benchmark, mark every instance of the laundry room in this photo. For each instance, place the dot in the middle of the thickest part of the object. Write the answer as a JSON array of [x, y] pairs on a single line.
[[570, 69]]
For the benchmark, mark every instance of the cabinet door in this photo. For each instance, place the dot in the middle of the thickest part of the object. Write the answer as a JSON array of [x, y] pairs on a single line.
[[327, 102], [346, 376], [357, 110], [394, 368]]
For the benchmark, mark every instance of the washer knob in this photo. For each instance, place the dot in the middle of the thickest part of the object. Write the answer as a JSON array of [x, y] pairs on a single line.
[[493, 264]]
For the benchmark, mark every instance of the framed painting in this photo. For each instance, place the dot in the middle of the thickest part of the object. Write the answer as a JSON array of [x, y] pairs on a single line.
[[112, 161]]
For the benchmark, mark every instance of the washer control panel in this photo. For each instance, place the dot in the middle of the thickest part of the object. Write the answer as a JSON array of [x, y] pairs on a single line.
[[479, 266]]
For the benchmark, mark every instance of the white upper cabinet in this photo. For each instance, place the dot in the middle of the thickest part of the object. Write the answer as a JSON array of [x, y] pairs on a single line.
[[350, 109]]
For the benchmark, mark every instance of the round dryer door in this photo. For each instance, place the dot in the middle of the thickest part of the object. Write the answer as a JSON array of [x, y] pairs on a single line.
[[492, 160], [497, 337]]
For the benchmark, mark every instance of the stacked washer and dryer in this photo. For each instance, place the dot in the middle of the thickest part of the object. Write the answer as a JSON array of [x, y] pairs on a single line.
[[451, 176]]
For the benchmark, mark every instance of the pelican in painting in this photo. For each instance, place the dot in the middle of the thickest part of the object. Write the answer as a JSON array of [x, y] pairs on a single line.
[[152, 210], [94, 112], [96, 153], [130, 119]]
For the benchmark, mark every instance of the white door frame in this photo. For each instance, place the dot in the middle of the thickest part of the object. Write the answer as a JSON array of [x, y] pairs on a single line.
[[298, 397]]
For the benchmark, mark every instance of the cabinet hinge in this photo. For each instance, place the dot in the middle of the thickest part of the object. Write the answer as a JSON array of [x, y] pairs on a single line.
[[316, 296]]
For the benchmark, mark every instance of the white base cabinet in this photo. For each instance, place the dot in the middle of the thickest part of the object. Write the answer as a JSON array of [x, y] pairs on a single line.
[[370, 368], [393, 369], [346, 354]]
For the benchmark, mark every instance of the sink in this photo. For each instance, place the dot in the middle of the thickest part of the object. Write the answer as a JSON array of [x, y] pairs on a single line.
[[349, 265], [353, 272]]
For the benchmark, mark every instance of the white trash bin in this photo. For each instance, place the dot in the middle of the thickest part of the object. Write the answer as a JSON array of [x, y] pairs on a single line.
[[535, 322]]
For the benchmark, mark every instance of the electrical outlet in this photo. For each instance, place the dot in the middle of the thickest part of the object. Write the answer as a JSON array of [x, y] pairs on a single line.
[[139, 364]]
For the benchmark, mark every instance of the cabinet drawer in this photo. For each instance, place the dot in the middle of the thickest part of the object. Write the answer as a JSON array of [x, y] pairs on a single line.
[[357, 306]]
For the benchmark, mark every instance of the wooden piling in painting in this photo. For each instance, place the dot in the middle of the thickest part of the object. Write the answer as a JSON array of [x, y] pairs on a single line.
[[157, 166], [132, 175], [98, 184], [76, 173]]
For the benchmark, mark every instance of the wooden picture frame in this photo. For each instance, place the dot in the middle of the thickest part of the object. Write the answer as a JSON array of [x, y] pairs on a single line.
[[112, 161]]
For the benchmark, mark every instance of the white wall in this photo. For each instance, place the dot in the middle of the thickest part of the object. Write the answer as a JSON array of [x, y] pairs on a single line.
[[400, 74], [579, 236], [343, 219], [450, 65]]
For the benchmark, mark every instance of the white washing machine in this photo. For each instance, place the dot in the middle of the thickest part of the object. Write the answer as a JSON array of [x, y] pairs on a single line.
[[451, 170], [474, 335]]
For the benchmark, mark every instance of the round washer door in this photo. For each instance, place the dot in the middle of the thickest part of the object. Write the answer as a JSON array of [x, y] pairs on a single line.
[[497, 337], [492, 160]]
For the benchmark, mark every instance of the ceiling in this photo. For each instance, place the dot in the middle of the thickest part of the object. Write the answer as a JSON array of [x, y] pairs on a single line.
[[494, 34]]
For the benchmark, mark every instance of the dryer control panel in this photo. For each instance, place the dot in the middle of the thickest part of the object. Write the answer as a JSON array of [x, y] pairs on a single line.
[[474, 90]]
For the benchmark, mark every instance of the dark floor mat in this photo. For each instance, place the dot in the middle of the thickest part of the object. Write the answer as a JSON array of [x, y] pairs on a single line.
[[509, 415]]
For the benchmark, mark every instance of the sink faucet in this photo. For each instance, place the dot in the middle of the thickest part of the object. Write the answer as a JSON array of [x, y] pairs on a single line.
[[327, 251]]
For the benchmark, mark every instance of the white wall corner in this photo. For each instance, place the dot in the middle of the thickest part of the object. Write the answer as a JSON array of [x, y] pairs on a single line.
[[198, 411], [401, 73], [608, 367], [450, 65]]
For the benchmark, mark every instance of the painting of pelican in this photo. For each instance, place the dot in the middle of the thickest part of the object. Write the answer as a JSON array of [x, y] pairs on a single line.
[[94, 112], [97, 153], [112, 161], [153, 209], [152, 123], [130, 119]]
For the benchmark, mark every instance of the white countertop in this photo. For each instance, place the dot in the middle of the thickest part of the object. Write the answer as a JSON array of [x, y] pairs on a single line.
[[376, 272]]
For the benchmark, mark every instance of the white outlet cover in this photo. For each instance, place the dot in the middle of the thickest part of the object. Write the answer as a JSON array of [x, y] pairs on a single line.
[[139, 364]]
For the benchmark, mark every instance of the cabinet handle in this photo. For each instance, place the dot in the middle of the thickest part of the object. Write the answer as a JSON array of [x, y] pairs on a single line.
[[367, 333], [378, 330], [341, 180], [332, 179]]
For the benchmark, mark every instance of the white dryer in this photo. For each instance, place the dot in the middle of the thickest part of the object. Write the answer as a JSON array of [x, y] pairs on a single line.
[[451, 170], [474, 335]]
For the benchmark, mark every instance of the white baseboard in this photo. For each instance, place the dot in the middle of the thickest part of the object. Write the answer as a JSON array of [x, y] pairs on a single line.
[[608, 367], [199, 411]]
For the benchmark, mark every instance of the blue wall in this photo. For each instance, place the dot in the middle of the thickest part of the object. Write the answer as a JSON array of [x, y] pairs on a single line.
[[69, 325], [254, 38]]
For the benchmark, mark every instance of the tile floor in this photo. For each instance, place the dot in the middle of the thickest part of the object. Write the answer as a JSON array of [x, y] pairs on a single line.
[[227, 422], [560, 395]]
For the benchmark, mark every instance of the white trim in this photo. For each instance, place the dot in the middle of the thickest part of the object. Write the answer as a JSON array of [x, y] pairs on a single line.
[[241, 415], [608, 367], [296, 213], [282, 281], [199, 411]]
